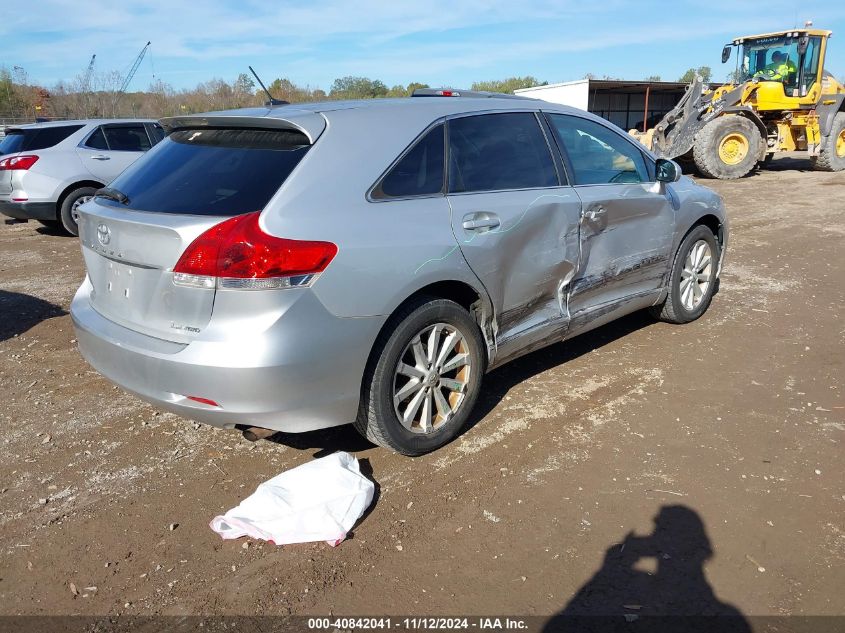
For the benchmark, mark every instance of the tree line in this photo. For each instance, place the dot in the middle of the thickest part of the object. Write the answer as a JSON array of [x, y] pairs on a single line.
[[95, 96]]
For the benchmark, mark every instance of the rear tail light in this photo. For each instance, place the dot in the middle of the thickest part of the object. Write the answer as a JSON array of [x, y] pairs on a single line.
[[14, 163], [237, 254]]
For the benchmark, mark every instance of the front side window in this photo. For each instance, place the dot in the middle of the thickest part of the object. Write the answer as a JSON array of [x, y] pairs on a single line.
[[491, 152], [598, 154], [97, 140], [157, 132], [127, 138], [419, 172], [811, 63]]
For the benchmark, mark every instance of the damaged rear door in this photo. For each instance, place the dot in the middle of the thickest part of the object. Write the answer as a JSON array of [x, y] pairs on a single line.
[[515, 224], [627, 219]]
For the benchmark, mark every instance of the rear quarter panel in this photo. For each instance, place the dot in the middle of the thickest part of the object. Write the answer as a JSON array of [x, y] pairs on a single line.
[[387, 250]]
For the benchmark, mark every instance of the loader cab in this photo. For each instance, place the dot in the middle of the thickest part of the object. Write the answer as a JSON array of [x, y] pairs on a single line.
[[803, 49]]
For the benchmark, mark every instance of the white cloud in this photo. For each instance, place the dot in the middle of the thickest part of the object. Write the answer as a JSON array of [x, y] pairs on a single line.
[[329, 38]]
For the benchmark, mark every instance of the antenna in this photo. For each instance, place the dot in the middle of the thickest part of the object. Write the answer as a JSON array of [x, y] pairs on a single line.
[[272, 101]]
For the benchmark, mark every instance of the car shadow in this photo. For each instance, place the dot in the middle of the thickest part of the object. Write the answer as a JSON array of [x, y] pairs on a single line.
[[495, 387], [327, 441], [500, 381], [19, 312], [654, 583], [54, 229]]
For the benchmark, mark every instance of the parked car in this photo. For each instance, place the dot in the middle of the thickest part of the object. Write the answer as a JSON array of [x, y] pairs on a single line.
[[367, 262], [48, 169]]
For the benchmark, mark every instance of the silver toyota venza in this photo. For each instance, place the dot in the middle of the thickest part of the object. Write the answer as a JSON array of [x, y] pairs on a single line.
[[306, 266]]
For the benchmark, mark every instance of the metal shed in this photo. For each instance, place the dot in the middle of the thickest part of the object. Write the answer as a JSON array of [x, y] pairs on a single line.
[[628, 104]]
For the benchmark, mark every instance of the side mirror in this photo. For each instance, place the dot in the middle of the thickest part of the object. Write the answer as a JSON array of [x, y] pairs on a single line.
[[668, 170], [726, 53], [803, 43]]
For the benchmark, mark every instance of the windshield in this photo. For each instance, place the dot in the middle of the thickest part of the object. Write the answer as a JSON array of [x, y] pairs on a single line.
[[773, 58]]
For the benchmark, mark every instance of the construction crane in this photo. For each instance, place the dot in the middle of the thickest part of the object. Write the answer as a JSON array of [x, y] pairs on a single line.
[[86, 78], [87, 95], [134, 68], [129, 77]]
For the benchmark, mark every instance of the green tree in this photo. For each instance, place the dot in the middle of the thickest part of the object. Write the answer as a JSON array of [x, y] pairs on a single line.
[[397, 91], [244, 85], [508, 85], [413, 86], [653, 78], [357, 88], [702, 71]]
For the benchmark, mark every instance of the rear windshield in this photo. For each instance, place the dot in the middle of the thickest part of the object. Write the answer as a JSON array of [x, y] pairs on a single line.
[[32, 139], [221, 172]]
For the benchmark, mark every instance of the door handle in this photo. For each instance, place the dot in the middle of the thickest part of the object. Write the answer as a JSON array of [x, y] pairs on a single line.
[[100, 157], [476, 221], [593, 214]]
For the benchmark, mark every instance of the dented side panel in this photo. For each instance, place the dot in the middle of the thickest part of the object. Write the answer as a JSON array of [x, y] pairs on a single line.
[[525, 262], [626, 236]]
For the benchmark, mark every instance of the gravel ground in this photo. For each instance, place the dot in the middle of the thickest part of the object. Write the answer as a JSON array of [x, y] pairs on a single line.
[[643, 468]]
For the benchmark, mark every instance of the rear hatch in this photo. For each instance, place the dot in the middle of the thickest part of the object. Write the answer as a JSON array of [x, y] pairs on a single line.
[[27, 140], [11, 144], [134, 234]]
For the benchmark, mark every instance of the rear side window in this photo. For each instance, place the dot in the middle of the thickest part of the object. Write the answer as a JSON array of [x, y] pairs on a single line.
[[32, 139], [220, 172], [598, 154], [499, 151], [12, 142], [127, 138], [419, 172]]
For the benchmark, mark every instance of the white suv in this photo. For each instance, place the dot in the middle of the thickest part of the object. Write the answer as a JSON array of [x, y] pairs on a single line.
[[48, 169]]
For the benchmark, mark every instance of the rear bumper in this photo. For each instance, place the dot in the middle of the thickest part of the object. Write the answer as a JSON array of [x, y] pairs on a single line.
[[28, 210], [303, 373]]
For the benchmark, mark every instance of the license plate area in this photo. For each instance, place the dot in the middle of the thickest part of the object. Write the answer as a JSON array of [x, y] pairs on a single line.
[[119, 281]]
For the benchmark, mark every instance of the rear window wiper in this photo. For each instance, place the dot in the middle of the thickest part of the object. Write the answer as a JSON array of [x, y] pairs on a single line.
[[112, 194]]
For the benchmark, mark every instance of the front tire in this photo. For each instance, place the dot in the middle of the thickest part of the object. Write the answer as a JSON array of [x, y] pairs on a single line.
[[832, 150], [692, 283], [727, 148], [69, 213], [423, 378]]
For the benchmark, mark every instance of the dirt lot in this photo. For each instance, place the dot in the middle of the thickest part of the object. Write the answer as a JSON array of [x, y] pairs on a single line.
[[713, 451]]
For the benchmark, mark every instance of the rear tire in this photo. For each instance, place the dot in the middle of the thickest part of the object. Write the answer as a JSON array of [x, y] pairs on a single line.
[[68, 211], [401, 374], [693, 281], [832, 149], [727, 148]]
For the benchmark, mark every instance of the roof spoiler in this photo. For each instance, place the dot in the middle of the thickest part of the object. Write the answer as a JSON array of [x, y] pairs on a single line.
[[455, 92], [309, 123]]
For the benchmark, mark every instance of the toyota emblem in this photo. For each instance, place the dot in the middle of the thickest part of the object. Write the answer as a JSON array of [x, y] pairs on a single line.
[[103, 234]]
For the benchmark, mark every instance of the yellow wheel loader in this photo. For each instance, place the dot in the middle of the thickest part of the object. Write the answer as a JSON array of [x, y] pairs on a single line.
[[781, 100]]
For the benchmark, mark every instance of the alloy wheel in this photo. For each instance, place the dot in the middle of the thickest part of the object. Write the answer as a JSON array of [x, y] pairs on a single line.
[[431, 378], [697, 275], [74, 209]]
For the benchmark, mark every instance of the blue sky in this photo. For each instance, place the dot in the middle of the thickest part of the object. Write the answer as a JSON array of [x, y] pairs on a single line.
[[439, 42]]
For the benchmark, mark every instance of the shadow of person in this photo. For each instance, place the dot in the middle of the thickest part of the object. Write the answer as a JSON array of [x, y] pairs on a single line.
[[672, 595], [19, 312]]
